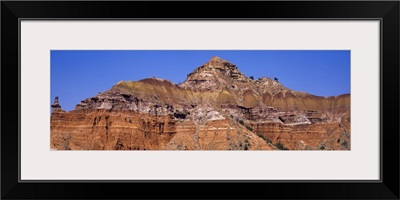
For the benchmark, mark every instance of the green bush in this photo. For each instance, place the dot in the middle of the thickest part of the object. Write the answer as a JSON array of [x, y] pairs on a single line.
[[280, 146], [249, 128], [264, 138]]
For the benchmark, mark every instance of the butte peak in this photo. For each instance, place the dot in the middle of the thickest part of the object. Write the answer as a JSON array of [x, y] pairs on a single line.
[[218, 63], [216, 60], [216, 73], [215, 67]]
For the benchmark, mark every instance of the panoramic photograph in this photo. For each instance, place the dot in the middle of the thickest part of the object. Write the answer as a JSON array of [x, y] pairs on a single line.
[[200, 100]]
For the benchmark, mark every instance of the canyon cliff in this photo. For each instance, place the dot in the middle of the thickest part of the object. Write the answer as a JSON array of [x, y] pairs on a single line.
[[216, 108]]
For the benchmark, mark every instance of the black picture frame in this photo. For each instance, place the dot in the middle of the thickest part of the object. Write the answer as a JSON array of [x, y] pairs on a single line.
[[386, 11]]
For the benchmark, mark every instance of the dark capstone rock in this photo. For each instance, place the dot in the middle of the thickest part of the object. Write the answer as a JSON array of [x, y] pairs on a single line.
[[56, 107]]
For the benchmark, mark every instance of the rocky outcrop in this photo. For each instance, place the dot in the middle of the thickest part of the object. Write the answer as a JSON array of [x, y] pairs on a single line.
[[56, 107], [102, 129], [215, 108]]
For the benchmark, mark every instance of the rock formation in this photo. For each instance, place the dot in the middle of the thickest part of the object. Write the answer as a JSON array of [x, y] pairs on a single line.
[[216, 108], [56, 107]]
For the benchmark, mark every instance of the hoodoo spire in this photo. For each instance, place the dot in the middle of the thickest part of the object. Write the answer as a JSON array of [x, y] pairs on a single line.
[[56, 105]]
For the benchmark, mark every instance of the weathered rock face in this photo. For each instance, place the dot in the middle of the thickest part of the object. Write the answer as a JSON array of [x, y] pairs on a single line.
[[130, 130], [216, 108], [56, 107], [318, 136]]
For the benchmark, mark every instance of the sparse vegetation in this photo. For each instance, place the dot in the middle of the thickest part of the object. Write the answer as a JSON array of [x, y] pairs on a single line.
[[251, 77], [280, 146], [264, 138], [180, 146], [246, 144], [240, 121], [276, 79], [228, 137], [345, 145], [249, 128], [344, 139]]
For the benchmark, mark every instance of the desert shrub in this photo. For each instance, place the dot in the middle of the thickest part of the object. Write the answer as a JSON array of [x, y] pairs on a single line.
[[252, 77], [344, 139], [264, 138], [179, 146], [249, 128], [228, 137], [345, 144], [280, 146]]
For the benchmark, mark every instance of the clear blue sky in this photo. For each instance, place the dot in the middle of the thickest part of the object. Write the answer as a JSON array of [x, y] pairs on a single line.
[[80, 74]]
